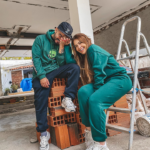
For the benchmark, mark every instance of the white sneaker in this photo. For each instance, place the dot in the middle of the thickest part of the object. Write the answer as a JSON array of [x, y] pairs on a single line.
[[88, 138], [97, 146], [44, 145], [68, 104]]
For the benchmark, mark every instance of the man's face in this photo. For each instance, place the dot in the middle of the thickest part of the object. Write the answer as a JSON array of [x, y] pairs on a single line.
[[58, 35]]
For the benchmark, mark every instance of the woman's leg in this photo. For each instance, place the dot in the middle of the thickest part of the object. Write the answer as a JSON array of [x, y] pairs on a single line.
[[83, 95], [102, 99]]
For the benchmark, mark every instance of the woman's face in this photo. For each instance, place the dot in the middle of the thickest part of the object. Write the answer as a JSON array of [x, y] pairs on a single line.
[[80, 47]]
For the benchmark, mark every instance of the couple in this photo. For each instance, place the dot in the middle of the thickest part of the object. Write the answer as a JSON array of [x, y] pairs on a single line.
[[104, 81]]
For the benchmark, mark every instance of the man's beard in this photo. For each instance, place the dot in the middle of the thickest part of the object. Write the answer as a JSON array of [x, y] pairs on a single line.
[[55, 39]]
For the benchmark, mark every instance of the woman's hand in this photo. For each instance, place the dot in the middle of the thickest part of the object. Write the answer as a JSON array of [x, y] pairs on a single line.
[[44, 83]]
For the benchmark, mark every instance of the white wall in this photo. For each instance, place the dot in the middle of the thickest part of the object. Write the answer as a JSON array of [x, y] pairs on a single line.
[[6, 75]]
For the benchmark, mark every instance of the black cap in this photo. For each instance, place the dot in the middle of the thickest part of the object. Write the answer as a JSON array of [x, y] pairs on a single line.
[[66, 28]]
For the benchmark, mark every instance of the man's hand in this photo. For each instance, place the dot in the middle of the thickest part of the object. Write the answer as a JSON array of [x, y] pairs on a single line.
[[64, 41], [44, 83]]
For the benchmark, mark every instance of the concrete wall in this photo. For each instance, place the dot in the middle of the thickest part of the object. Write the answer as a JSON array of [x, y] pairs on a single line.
[[109, 39]]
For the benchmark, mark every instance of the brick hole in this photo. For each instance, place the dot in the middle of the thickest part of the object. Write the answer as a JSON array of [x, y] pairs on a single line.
[[54, 119], [66, 121], [55, 123], [51, 100], [58, 103], [62, 121], [72, 119], [58, 122], [55, 103], [55, 99], [61, 117], [52, 104], [80, 140]]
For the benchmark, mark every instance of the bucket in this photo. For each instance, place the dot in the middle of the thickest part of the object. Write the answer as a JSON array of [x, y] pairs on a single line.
[[143, 125], [26, 84]]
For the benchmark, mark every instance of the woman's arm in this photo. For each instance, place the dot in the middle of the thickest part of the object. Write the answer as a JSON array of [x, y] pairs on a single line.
[[98, 63]]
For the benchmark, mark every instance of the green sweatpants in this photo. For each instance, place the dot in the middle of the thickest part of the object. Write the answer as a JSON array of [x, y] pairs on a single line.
[[93, 103]]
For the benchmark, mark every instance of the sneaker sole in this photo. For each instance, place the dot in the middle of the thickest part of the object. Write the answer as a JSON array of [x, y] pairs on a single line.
[[67, 110], [48, 144]]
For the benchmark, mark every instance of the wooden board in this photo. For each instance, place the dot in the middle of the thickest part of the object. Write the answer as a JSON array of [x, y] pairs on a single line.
[[21, 93]]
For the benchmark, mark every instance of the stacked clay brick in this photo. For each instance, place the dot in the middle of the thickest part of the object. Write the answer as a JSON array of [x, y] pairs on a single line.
[[117, 118], [66, 129]]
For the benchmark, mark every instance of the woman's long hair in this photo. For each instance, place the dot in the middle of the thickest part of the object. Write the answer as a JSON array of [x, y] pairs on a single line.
[[82, 61]]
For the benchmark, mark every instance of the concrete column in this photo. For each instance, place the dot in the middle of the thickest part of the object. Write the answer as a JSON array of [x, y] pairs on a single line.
[[1, 92], [22, 74], [80, 16]]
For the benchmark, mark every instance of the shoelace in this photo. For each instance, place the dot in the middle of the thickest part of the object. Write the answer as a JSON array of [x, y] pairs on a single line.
[[69, 103], [43, 141]]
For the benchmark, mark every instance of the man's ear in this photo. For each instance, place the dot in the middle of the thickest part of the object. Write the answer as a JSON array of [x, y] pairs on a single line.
[[56, 29]]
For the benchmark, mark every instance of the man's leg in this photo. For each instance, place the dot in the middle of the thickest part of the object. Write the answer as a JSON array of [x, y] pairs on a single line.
[[41, 104], [71, 72]]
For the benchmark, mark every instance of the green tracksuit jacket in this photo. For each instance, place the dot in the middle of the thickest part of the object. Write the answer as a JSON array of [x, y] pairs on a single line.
[[103, 64], [45, 55]]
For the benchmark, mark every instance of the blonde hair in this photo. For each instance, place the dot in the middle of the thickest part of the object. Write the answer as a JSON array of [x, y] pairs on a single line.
[[82, 61]]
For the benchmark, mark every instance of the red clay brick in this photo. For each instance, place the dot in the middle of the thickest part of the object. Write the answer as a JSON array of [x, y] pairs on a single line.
[[56, 94], [58, 111], [62, 136], [78, 117], [54, 101], [73, 134], [82, 138], [81, 128], [57, 121]]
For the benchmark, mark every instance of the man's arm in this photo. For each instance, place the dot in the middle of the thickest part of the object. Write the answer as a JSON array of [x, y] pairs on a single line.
[[65, 52], [36, 58]]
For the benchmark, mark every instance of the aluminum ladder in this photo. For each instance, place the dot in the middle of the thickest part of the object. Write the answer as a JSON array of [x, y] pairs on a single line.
[[135, 82]]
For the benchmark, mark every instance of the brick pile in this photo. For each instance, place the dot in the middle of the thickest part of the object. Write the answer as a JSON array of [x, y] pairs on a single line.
[[66, 129]]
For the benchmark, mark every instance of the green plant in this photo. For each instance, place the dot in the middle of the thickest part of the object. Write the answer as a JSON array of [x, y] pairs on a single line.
[[14, 87], [7, 90]]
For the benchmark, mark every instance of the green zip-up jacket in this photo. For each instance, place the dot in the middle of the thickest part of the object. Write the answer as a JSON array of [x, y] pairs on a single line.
[[45, 55], [103, 64]]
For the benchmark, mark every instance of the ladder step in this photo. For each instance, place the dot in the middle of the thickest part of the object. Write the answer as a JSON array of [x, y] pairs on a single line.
[[117, 128], [116, 109], [132, 57]]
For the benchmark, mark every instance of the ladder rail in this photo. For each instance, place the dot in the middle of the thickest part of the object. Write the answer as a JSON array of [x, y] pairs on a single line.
[[135, 71]]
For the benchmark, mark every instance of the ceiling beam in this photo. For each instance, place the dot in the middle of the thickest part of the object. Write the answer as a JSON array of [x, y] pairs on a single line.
[[23, 35], [14, 47]]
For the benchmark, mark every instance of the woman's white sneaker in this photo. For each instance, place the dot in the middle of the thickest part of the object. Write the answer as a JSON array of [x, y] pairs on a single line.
[[97, 146], [88, 138], [44, 145], [68, 104]]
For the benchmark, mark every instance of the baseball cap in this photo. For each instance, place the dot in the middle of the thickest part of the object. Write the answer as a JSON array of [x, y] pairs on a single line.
[[66, 28]]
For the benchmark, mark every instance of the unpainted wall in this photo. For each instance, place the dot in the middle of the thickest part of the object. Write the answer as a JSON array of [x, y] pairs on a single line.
[[109, 39]]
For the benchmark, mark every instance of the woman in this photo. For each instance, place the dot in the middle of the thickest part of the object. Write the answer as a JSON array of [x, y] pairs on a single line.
[[104, 82]]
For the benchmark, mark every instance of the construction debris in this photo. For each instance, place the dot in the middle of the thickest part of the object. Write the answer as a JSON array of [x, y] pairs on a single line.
[[70, 124]]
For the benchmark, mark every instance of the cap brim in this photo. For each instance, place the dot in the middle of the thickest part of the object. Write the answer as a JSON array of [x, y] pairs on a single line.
[[70, 37]]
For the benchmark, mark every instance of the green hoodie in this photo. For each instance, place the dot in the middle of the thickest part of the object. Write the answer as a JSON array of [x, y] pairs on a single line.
[[103, 65], [45, 55]]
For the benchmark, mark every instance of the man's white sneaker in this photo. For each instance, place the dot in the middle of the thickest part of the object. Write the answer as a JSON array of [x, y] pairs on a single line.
[[44, 145], [97, 146], [68, 104], [88, 138]]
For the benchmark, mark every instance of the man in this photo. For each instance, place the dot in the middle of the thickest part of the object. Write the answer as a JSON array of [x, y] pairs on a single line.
[[52, 58]]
